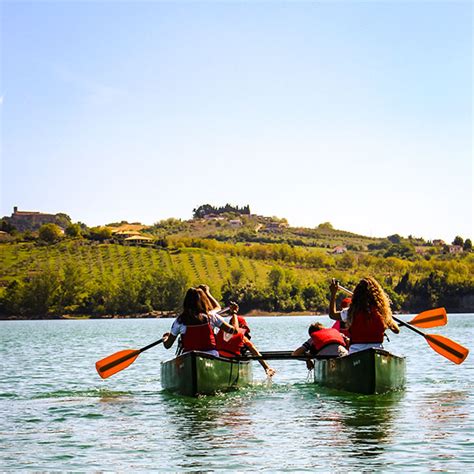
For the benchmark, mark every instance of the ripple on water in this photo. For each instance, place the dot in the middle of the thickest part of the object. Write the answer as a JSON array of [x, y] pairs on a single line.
[[127, 423]]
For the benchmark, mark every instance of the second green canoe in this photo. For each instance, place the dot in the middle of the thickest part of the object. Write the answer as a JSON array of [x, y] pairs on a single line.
[[370, 371]]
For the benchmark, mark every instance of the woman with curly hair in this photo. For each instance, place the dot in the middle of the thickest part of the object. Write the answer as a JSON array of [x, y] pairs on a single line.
[[368, 316]]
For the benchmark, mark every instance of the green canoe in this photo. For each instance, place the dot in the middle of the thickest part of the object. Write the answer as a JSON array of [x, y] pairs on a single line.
[[197, 373], [369, 371]]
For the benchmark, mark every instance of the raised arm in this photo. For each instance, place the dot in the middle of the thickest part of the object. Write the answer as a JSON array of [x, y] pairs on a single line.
[[333, 313], [215, 304], [234, 321]]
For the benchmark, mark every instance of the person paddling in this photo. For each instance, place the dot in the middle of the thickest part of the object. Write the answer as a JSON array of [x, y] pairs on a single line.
[[322, 342], [368, 316], [234, 345], [196, 324], [340, 325]]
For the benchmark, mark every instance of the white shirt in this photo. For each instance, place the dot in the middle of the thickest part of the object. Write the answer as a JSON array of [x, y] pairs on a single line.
[[179, 328], [344, 314]]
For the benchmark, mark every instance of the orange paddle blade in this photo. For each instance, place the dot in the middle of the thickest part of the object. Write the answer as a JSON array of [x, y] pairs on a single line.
[[430, 318], [447, 348], [116, 362]]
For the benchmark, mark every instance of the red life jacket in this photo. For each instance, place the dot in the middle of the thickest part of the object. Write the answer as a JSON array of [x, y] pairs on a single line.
[[341, 327], [366, 328], [325, 337], [232, 347], [199, 337]]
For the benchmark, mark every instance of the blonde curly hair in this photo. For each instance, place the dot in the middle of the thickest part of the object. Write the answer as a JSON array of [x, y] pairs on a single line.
[[369, 298]]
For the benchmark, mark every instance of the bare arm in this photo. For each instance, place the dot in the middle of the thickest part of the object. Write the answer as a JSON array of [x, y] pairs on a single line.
[[228, 328], [168, 339], [234, 307], [299, 352], [302, 351], [253, 350], [215, 304], [333, 313]]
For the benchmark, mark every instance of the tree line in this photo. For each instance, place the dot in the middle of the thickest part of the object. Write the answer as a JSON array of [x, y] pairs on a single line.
[[206, 209], [69, 290]]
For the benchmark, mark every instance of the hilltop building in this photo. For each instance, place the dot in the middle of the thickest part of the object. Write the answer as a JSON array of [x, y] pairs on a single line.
[[30, 220], [455, 249]]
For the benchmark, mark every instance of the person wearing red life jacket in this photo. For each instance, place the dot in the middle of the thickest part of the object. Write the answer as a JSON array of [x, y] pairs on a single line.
[[234, 345], [368, 316], [322, 342], [340, 325], [196, 324]]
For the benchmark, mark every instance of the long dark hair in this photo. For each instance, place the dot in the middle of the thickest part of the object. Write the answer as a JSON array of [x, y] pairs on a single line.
[[196, 305]]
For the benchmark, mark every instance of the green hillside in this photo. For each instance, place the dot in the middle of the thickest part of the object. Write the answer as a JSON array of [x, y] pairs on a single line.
[[258, 261]]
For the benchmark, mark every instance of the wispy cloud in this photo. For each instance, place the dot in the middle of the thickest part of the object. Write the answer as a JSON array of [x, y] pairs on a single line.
[[1, 99]]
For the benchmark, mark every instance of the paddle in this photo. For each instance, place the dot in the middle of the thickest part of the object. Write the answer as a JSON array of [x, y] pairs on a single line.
[[275, 355], [442, 345], [120, 360], [430, 318]]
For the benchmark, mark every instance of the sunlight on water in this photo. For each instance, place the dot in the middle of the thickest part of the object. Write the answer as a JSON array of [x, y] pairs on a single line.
[[57, 414]]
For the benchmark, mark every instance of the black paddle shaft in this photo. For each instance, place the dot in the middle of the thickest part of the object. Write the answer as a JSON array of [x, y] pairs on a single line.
[[409, 326], [153, 344]]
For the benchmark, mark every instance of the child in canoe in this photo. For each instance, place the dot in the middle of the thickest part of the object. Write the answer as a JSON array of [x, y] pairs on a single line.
[[340, 325], [234, 345], [368, 316], [322, 342]]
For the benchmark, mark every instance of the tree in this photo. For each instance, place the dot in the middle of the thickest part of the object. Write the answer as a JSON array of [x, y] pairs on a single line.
[[325, 225], [314, 297], [467, 245], [73, 230], [400, 250], [458, 241], [205, 209], [395, 238], [100, 233], [50, 233], [6, 226], [72, 282], [39, 293], [63, 220]]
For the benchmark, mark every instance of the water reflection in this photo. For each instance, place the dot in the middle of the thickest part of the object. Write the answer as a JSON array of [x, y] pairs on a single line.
[[368, 421], [213, 424], [443, 412], [360, 426]]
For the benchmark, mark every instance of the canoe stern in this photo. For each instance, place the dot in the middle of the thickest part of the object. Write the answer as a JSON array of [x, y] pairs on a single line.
[[367, 372], [197, 373]]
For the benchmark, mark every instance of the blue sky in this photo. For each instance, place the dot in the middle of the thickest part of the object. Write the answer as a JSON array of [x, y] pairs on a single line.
[[356, 113]]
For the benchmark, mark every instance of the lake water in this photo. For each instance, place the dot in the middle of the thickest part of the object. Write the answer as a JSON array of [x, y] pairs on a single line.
[[56, 414]]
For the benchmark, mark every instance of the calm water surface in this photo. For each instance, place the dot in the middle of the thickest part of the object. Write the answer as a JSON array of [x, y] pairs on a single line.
[[57, 414]]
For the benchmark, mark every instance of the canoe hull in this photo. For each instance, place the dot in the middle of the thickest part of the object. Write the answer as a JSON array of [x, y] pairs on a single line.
[[197, 373], [367, 372]]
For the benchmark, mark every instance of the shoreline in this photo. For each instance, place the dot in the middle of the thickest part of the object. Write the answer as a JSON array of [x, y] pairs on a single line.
[[78, 317], [165, 315]]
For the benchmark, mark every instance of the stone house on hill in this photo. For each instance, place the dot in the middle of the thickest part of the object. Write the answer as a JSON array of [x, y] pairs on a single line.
[[30, 220]]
